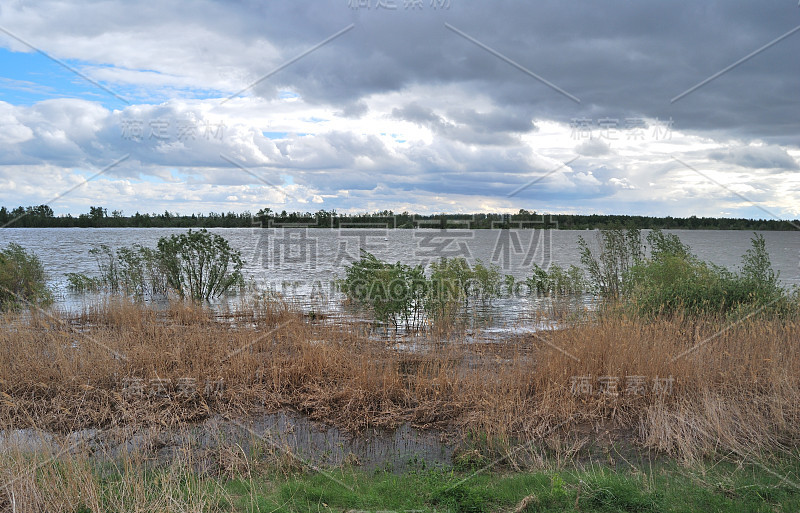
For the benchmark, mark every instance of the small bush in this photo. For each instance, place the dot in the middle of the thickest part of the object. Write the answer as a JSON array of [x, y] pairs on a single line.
[[448, 289], [510, 284], [557, 280], [672, 280], [394, 293], [200, 265], [22, 279], [485, 282], [137, 271], [401, 295], [81, 283], [619, 251], [108, 264], [539, 280], [757, 273]]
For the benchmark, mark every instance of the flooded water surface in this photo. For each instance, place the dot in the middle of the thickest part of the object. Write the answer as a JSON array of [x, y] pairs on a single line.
[[304, 263]]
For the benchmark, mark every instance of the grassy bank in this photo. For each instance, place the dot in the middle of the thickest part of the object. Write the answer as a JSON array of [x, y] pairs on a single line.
[[76, 484]]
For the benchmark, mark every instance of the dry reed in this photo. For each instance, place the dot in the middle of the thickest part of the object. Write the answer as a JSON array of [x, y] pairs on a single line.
[[123, 363]]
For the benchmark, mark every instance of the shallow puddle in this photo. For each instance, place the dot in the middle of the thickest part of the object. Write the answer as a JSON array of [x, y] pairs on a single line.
[[282, 435]]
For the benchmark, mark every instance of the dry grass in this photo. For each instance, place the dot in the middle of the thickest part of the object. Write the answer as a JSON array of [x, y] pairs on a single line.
[[36, 482], [739, 391]]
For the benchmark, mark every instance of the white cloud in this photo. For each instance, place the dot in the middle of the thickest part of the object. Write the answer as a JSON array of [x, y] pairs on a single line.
[[428, 125]]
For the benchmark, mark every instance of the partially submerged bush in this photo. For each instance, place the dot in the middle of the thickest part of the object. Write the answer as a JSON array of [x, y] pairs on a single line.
[[485, 281], [619, 250], [394, 293], [401, 295], [136, 271], [81, 283], [22, 278], [557, 280], [198, 265], [448, 289], [142, 271], [673, 280]]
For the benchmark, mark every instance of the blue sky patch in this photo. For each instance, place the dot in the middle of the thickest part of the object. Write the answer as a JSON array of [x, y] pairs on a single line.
[[29, 78]]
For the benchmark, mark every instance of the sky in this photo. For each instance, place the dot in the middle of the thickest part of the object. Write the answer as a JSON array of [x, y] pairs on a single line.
[[613, 107]]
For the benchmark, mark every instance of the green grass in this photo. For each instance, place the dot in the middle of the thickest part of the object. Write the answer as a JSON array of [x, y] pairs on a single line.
[[656, 487], [722, 487]]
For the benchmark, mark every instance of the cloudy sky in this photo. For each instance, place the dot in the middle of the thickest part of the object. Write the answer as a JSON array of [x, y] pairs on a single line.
[[426, 106]]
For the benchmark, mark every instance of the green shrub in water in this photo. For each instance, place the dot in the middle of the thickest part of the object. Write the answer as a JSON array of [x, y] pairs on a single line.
[[394, 293], [619, 250], [485, 282], [557, 280], [673, 280], [200, 265], [22, 279]]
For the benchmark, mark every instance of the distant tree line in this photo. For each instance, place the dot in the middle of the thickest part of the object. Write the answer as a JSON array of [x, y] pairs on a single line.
[[42, 216]]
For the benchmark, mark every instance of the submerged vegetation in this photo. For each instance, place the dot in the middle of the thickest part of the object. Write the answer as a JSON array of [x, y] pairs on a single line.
[[656, 276], [673, 280], [670, 280], [402, 295], [618, 251], [394, 293], [553, 280], [197, 265], [22, 279]]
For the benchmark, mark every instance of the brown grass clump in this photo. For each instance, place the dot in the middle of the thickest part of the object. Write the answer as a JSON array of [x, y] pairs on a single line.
[[686, 389], [35, 482]]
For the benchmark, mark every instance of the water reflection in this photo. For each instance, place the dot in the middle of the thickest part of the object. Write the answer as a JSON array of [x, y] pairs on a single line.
[[302, 266]]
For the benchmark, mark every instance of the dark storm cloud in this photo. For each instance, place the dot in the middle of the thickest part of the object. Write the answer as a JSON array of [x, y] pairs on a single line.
[[353, 110], [622, 59], [468, 125], [513, 121]]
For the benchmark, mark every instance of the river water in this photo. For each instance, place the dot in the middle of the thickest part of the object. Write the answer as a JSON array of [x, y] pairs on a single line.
[[302, 263]]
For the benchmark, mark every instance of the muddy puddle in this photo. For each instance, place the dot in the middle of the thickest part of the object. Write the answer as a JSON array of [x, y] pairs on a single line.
[[284, 436]]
